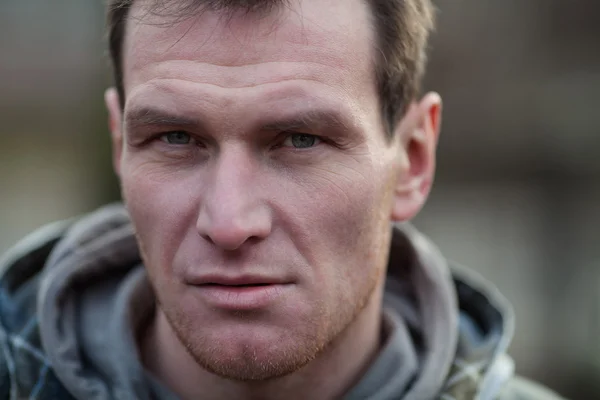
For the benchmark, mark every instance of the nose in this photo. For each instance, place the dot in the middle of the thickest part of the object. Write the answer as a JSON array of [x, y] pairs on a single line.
[[232, 212]]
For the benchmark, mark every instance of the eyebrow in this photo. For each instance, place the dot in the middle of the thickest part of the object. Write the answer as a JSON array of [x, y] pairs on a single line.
[[147, 116], [310, 119], [304, 120]]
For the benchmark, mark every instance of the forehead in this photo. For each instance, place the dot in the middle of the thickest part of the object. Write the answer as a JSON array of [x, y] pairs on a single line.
[[330, 41]]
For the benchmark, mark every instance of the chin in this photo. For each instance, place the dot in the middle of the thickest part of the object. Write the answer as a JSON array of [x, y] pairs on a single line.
[[251, 353]]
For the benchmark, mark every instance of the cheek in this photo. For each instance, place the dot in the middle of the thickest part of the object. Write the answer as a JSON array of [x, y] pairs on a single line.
[[342, 218], [161, 208]]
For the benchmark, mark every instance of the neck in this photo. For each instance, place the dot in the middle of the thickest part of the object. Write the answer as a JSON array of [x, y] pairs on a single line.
[[328, 376]]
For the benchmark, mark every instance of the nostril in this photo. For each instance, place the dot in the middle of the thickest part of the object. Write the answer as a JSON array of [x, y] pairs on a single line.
[[230, 237], [207, 238]]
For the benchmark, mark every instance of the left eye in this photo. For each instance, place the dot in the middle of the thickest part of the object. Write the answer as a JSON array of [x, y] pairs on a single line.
[[301, 140], [176, 137]]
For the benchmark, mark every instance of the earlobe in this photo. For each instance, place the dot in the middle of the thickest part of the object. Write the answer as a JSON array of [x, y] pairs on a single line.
[[419, 131], [111, 99]]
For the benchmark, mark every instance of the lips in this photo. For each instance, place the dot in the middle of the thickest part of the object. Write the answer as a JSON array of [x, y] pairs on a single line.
[[244, 280], [243, 292], [238, 285]]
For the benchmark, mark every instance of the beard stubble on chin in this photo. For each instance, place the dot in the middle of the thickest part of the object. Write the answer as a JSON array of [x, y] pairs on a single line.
[[256, 363]]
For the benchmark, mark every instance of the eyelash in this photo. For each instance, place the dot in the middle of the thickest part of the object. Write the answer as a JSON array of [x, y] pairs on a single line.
[[282, 138], [161, 138]]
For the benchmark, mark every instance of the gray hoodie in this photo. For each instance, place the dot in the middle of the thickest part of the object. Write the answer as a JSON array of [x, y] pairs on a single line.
[[448, 330]]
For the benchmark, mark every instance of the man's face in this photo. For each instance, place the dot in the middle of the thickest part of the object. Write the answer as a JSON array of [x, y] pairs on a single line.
[[258, 177]]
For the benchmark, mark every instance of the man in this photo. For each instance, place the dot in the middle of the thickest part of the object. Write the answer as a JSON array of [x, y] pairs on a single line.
[[269, 152]]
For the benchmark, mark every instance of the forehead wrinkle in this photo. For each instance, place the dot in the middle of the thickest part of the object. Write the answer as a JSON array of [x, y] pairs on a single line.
[[235, 78], [179, 94], [149, 57], [244, 65], [201, 36]]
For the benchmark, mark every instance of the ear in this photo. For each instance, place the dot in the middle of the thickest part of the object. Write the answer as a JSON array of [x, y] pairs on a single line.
[[418, 132], [115, 123]]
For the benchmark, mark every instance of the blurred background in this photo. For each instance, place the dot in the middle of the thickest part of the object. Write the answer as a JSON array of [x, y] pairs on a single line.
[[517, 195]]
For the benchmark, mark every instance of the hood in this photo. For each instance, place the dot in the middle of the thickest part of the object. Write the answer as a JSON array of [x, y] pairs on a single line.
[[448, 329], [86, 312], [454, 326]]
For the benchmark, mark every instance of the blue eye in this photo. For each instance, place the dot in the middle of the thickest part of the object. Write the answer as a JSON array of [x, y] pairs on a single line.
[[301, 140], [176, 137]]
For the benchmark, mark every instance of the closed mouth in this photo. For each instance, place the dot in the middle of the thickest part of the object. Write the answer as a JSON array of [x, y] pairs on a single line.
[[238, 285]]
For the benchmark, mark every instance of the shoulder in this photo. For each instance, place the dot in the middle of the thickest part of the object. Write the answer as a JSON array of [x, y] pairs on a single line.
[[523, 389], [20, 270], [24, 370]]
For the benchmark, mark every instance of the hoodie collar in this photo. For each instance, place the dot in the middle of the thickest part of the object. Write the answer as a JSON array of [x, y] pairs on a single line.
[[456, 325]]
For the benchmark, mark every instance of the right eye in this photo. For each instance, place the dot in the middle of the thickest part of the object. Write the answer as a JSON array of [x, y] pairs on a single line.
[[176, 138]]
